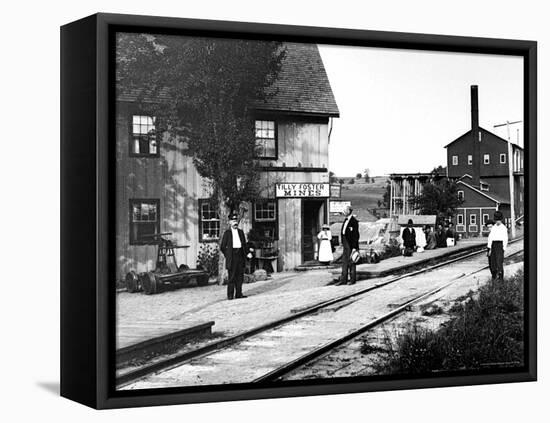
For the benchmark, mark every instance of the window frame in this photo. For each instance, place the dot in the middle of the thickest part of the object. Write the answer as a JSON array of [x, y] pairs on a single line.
[[458, 223], [132, 137], [482, 185], [470, 159], [201, 220], [275, 135], [261, 222], [454, 160], [474, 216], [484, 221], [131, 202], [459, 192], [486, 159], [502, 155]]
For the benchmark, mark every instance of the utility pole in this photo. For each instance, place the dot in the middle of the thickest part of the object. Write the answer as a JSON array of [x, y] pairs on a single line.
[[511, 176]]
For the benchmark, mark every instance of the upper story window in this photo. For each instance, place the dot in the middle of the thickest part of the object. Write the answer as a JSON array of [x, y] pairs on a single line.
[[455, 160], [144, 221], [470, 159], [209, 222], [503, 158], [483, 186], [461, 195], [486, 159], [143, 141], [473, 219], [266, 139]]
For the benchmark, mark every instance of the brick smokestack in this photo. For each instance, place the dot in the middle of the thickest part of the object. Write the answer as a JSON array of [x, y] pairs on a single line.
[[476, 142]]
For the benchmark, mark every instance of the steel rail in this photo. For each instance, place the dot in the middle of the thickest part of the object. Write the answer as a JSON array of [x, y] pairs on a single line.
[[171, 362], [323, 349]]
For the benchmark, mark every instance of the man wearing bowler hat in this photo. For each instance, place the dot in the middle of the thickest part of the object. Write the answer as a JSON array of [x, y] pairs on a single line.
[[233, 248], [496, 245]]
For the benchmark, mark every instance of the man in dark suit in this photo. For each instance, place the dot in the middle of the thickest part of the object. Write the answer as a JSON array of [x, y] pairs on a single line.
[[409, 239], [350, 240], [233, 248]]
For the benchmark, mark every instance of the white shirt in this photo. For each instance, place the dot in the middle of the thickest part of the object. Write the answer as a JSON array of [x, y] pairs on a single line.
[[236, 238], [345, 224], [498, 233]]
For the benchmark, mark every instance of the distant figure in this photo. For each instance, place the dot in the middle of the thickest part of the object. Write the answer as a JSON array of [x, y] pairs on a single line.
[[490, 223], [409, 239], [350, 242], [431, 241], [440, 236], [451, 235], [233, 247], [496, 244], [325, 247]]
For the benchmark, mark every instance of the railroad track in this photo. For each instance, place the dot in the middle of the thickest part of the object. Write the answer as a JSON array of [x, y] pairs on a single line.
[[133, 377], [294, 365]]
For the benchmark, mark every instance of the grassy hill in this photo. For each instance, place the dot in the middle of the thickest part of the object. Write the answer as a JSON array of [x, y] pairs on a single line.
[[363, 196]]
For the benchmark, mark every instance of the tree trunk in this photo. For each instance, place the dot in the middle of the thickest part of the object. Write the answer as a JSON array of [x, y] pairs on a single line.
[[223, 212]]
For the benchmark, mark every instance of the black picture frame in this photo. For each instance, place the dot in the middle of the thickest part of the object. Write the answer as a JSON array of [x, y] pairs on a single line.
[[88, 236]]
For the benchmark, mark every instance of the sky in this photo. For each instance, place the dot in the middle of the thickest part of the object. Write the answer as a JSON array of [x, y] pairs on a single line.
[[399, 108]]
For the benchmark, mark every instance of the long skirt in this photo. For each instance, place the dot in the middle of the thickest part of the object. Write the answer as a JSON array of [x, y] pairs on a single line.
[[325, 251]]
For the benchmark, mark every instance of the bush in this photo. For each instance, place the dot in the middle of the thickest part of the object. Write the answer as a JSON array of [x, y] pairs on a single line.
[[208, 258], [483, 332]]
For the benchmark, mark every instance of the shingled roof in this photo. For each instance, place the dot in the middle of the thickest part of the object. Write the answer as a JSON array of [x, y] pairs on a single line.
[[302, 85]]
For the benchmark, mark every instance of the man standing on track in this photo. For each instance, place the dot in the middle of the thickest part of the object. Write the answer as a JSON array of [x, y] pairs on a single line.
[[350, 241], [233, 248], [496, 244]]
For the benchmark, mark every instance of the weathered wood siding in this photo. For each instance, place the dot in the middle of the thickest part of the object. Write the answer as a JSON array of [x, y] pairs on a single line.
[[173, 180], [302, 144], [290, 233]]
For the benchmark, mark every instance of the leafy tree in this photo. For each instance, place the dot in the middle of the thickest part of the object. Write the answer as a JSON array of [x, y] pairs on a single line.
[[341, 180], [366, 175], [332, 178], [358, 176], [440, 198], [351, 181], [210, 86]]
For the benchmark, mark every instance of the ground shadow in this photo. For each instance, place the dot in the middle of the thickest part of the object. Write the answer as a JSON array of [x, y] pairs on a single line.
[[51, 387]]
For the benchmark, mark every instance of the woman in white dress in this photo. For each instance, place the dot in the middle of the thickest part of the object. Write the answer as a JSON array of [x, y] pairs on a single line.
[[325, 248]]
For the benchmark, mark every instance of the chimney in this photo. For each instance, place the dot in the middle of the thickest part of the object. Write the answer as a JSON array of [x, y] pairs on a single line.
[[476, 141]]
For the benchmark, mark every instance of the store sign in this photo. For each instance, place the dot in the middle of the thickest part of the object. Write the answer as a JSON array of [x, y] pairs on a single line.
[[335, 190], [338, 206], [301, 190]]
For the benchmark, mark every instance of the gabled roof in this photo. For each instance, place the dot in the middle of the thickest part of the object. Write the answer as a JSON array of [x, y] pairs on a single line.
[[491, 196], [485, 130], [302, 85]]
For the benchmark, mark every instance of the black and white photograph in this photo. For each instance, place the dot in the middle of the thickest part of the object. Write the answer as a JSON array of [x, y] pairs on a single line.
[[296, 212]]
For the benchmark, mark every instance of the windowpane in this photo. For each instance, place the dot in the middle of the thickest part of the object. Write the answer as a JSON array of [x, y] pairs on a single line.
[[143, 130], [210, 222], [144, 221], [265, 138]]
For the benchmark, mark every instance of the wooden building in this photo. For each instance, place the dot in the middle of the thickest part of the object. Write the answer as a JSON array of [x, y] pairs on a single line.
[[159, 189], [403, 188], [488, 169]]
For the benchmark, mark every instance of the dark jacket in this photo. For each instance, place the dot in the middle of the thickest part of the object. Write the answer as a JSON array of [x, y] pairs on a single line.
[[352, 233], [227, 247], [409, 238]]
